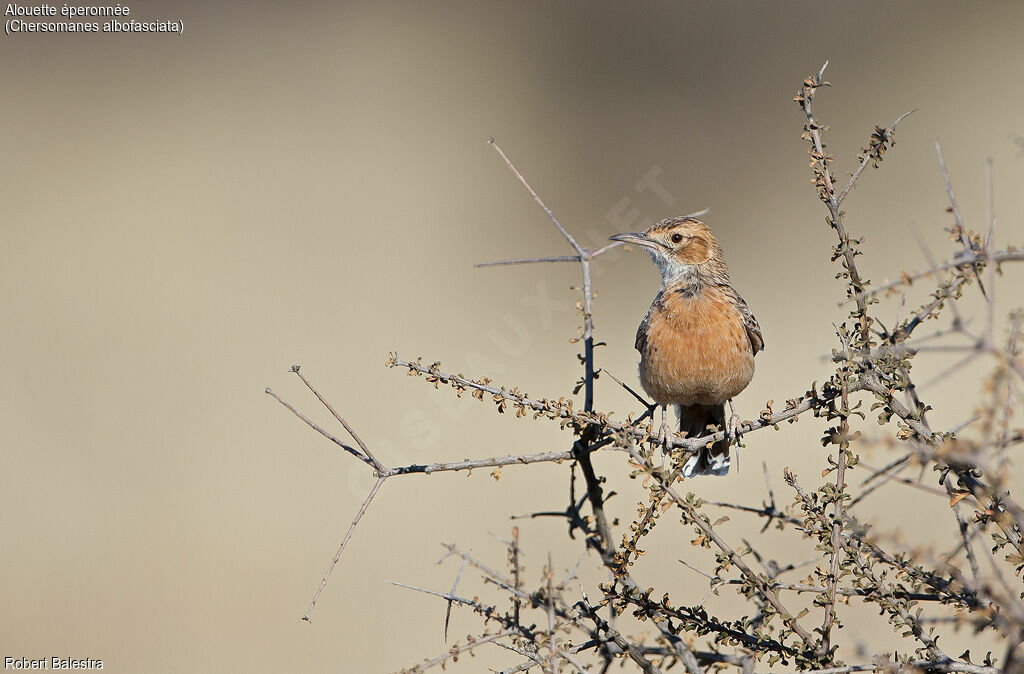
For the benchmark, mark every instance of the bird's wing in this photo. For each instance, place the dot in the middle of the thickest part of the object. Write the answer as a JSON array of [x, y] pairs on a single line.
[[641, 334], [749, 322]]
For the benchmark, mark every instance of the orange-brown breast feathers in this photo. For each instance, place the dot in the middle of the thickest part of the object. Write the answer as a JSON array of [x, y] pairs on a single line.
[[697, 349]]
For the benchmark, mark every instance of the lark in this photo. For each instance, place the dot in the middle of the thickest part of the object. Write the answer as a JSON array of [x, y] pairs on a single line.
[[698, 341]]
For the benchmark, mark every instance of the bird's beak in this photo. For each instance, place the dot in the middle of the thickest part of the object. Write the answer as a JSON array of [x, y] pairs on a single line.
[[639, 239]]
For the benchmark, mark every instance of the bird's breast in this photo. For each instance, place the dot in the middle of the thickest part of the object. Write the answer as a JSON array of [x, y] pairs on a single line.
[[696, 350]]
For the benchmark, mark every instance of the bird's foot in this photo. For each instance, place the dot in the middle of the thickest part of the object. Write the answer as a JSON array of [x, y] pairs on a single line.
[[732, 431], [735, 424], [660, 439], [663, 434]]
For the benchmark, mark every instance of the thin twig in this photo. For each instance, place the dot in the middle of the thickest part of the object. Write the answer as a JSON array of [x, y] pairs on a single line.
[[344, 542], [471, 464], [455, 651], [351, 450], [341, 420], [540, 202], [868, 158], [528, 260], [448, 608]]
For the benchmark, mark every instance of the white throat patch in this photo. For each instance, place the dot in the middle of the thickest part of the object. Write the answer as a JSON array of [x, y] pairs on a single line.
[[671, 272]]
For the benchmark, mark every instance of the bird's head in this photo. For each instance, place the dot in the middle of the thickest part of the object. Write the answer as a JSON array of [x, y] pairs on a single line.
[[681, 248]]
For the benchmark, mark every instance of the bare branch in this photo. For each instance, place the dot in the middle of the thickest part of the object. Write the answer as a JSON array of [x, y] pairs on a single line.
[[351, 450], [362, 445], [344, 542], [528, 260], [448, 608], [455, 651], [470, 464], [551, 216]]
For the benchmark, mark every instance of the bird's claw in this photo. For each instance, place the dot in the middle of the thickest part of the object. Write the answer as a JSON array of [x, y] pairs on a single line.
[[735, 424], [663, 434]]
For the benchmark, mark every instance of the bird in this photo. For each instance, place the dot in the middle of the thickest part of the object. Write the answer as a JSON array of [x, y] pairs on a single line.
[[698, 340]]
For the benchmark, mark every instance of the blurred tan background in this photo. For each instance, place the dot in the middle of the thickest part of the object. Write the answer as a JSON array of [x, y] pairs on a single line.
[[186, 217]]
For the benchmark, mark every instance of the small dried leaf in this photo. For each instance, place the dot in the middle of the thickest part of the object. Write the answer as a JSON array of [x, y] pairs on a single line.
[[957, 497]]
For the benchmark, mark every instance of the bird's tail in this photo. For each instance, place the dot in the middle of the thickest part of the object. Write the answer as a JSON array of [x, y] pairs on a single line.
[[694, 421]]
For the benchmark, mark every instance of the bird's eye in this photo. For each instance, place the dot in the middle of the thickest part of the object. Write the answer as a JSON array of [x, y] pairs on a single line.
[[677, 237]]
